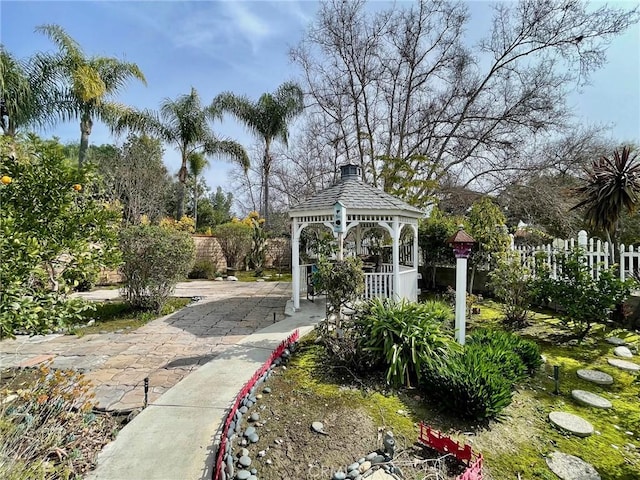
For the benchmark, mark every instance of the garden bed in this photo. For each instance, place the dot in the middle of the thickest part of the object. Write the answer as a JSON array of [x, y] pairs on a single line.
[[357, 409]]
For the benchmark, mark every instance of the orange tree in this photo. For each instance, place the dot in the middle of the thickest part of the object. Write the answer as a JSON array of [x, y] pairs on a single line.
[[54, 231]]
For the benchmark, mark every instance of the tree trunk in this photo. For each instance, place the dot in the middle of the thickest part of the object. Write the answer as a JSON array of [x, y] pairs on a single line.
[[180, 200], [612, 255], [195, 203], [182, 189], [266, 169], [86, 124], [471, 279]]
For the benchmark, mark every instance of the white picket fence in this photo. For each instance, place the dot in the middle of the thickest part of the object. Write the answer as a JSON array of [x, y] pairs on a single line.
[[596, 254]]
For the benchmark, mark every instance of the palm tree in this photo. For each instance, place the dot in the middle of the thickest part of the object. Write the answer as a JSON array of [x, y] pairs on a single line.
[[268, 118], [89, 84], [611, 187], [27, 92], [197, 163], [183, 123]]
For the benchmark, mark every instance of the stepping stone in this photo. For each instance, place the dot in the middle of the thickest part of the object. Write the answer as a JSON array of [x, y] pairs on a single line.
[[595, 376], [622, 352], [624, 365], [616, 341], [568, 467], [571, 423], [590, 399]]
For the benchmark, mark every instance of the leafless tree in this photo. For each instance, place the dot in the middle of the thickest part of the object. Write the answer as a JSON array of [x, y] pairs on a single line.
[[401, 86]]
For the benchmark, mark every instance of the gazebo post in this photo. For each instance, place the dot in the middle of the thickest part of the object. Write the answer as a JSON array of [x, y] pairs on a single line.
[[416, 260], [396, 258], [295, 264]]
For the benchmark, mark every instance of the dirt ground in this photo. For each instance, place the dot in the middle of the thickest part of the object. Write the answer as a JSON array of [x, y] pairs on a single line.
[[292, 450]]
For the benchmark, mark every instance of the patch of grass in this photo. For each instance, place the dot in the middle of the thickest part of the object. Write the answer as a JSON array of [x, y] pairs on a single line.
[[119, 315], [269, 275]]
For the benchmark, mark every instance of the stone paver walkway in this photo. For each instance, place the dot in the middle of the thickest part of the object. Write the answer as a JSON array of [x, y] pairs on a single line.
[[165, 350]]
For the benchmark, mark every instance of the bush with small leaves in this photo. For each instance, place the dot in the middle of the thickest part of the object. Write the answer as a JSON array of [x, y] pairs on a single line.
[[203, 268], [511, 284], [49, 430], [154, 260]]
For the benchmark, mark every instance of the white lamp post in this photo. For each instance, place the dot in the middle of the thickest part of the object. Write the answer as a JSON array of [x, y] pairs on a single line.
[[461, 243]]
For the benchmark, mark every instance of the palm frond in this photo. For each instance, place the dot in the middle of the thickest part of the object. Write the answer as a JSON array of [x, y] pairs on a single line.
[[61, 39], [612, 186], [228, 149]]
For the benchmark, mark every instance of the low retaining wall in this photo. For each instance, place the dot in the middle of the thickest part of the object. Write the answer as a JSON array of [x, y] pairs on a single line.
[[259, 376], [443, 444]]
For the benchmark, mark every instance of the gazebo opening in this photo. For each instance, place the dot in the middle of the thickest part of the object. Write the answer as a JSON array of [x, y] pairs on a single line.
[[379, 228]]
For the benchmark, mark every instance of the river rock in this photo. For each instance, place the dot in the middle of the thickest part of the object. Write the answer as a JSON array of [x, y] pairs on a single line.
[[590, 399], [364, 467], [317, 427], [568, 467], [243, 475], [624, 365], [623, 352], [245, 460], [254, 417], [595, 376], [243, 452], [339, 476], [616, 341], [249, 431], [571, 423], [266, 390], [253, 438], [353, 466]]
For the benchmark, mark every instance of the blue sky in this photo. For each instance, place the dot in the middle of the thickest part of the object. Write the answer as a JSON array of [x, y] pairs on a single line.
[[243, 46]]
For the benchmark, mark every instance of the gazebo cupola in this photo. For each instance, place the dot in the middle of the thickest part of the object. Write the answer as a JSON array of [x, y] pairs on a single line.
[[366, 207]]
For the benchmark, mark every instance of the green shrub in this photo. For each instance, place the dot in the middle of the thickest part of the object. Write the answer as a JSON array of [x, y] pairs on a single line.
[[403, 336], [511, 284], [155, 259], [342, 282], [527, 350], [582, 299], [204, 269], [467, 384], [234, 239], [478, 381], [52, 224]]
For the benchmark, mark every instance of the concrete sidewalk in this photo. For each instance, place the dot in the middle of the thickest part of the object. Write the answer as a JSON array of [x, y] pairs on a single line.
[[173, 438]]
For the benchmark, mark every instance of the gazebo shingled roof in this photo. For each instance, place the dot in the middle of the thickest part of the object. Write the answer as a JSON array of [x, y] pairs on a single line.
[[354, 194]]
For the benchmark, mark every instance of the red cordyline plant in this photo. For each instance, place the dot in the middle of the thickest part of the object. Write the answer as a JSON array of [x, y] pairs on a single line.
[[612, 185]]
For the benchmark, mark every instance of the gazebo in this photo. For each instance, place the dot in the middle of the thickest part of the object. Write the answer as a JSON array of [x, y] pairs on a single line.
[[367, 208]]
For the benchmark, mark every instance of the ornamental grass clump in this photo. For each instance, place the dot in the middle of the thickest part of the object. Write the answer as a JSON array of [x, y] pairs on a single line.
[[404, 336]]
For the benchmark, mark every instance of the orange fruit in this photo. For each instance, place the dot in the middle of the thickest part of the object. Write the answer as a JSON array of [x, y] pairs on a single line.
[[6, 180], [77, 187]]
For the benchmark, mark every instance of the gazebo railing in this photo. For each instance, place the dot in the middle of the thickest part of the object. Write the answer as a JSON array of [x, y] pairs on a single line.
[[408, 287], [377, 284]]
